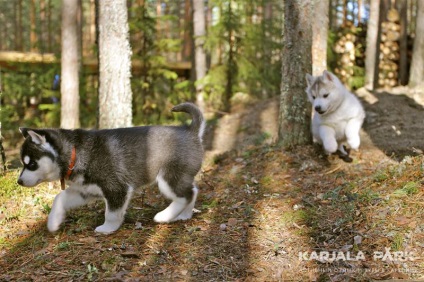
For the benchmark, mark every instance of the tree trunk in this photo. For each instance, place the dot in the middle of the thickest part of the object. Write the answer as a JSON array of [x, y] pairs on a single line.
[[115, 96], [200, 55], [403, 42], [372, 51], [416, 77], [320, 34], [187, 31], [33, 27], [2, 152], [69, 88], [231, 65], [295, 111]]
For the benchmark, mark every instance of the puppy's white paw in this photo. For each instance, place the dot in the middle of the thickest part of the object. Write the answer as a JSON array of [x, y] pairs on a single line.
[[186, 214], [354, 143], [106, 229], [163, 217], [330, 146], [54, 222]]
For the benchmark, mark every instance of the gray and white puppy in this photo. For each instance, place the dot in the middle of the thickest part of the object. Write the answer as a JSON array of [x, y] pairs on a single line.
[[111, 163]]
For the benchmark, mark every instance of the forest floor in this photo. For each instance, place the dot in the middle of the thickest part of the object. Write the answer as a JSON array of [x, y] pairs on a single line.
[[263, 214]]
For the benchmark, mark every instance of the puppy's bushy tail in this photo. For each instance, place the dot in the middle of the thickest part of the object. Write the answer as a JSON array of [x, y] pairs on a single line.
[[198, 122]]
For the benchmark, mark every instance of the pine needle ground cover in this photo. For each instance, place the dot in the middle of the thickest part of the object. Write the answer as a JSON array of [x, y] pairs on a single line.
[[263, 215]]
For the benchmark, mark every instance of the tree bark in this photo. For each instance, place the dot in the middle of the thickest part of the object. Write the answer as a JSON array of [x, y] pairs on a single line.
[[115, 95], [372, 51], [69, 87], [33, 31], [200, 55], [2, 152], [403, 42], [295, 111], [320, 34], [416, 77]]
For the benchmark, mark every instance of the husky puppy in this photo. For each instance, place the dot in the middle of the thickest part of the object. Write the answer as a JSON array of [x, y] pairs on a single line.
[[338, 114], [111, 163]]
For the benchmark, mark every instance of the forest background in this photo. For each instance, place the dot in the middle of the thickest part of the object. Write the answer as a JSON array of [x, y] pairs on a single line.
[[242, 43]]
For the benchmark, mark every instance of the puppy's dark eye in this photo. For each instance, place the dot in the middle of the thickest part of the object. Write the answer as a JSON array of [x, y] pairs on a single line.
[[326, 95], [32, 165], [313, 97]]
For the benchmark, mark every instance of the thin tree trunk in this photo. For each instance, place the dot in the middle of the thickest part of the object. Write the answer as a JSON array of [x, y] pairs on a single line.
[[344, 12], [320, 34], [69, 115], [372, 51], [359, 11], [416, 77], [403, 42], [200, 55], [115, 96], [187, 28], [295, 111], [49, 27], [19, 45], [33, 31], [230, 64], [2, 152]]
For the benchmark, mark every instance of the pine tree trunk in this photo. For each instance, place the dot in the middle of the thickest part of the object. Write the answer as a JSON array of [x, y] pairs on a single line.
[[373, 46], [2, 152], [416, 77], [295, 110], [115, 96], [69, 88], [187, 41], [403, 42], [200, 55], [320, 34], [33, 31], [231, 67]]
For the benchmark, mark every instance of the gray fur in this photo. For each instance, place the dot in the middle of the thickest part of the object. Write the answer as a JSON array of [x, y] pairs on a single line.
[[118, 160]]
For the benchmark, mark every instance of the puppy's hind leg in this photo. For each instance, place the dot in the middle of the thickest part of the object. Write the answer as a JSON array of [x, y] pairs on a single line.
[[187, 213], [178, 205], [352, 133], [115, 212], [328, 137]]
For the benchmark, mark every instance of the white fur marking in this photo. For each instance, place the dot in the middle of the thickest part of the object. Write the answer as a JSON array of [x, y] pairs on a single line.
[[202, 130], [49, 148], [26, 160], [47, 171]]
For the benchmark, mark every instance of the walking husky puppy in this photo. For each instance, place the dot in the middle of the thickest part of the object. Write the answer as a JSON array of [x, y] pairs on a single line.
[[111, 163], [338, 114]]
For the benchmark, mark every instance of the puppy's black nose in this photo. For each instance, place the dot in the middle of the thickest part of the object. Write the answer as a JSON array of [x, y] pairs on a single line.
[[20, 182], [318, 108]]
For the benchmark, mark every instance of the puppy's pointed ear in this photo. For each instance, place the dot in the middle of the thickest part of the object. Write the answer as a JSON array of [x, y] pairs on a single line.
[[24, 131], [327, 76], [309, 79], [36, 138]]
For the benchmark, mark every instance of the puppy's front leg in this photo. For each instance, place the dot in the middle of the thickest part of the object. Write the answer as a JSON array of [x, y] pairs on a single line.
[[328, 137], [64, 201]]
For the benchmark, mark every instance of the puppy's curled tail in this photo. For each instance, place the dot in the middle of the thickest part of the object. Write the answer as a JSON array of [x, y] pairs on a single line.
[[198, 122]]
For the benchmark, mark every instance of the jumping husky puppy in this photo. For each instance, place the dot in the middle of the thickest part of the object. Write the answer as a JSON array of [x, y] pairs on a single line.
[[338, 115], [111, 163]]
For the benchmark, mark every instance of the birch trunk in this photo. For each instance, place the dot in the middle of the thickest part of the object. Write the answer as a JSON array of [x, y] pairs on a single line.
[[115, 95], [69, 87]]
